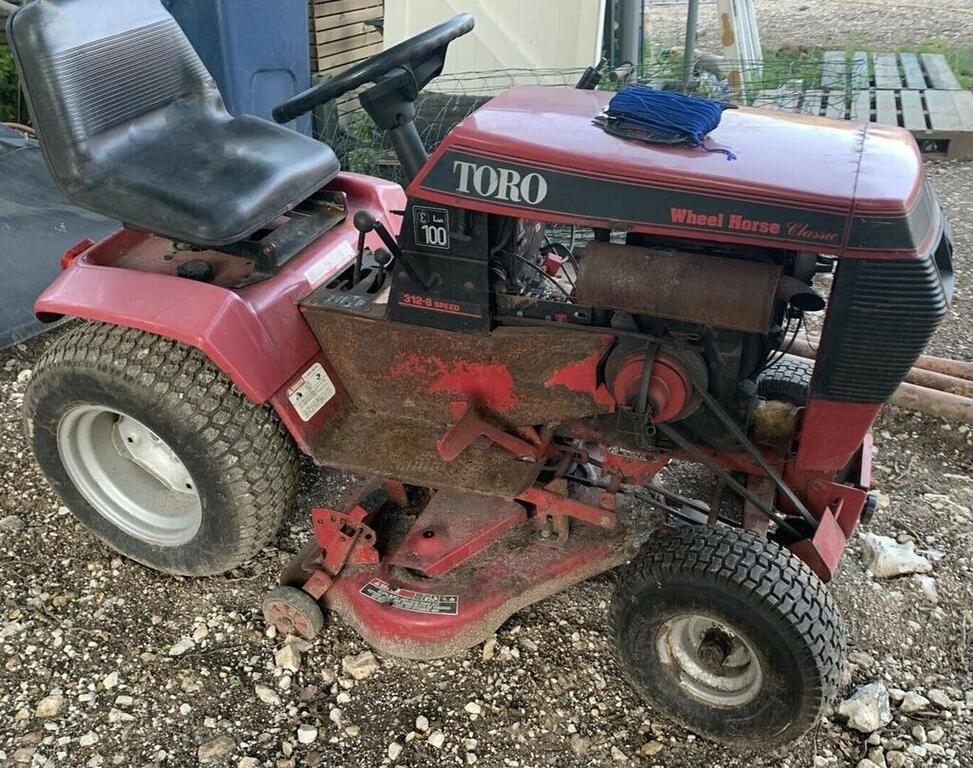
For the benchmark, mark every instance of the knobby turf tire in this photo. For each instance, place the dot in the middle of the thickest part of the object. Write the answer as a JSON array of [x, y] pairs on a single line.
[[244, 464], [789, 380], [755, 586]]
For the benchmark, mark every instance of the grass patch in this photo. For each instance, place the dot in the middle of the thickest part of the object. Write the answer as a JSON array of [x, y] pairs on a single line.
[[778, 67], [791, 63]]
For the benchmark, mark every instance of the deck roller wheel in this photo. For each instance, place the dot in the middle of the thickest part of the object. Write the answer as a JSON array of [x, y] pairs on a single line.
[[729, 634], [294, 612]]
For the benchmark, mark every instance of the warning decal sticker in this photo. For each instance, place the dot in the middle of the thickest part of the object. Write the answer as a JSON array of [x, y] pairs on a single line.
[[408, 600], [309, 394]]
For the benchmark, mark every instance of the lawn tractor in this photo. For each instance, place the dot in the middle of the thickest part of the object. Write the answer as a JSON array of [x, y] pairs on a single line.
[[506, 352]]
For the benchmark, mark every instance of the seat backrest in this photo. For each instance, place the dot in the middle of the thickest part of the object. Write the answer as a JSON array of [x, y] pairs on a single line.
[[95, 67]]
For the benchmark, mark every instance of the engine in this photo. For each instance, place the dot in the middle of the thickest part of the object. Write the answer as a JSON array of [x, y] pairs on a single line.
[[689, 317]]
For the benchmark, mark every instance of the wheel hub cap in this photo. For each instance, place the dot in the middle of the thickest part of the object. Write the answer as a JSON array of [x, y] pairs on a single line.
[[138, 443], [709, 661], [129, 475]]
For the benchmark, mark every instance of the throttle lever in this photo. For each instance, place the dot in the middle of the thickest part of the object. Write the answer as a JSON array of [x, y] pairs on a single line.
[[365, 223]]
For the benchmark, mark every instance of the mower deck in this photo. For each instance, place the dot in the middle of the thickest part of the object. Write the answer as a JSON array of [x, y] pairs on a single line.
[[447, 578]]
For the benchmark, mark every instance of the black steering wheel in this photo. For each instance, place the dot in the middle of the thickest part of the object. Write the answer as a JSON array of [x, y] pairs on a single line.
[[409, 53]]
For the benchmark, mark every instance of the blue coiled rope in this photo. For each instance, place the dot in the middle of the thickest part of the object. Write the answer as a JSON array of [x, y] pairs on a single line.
[[665, 117]]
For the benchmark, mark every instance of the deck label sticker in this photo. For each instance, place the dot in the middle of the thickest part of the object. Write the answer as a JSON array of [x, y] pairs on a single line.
[[409, 600], [310, 393]]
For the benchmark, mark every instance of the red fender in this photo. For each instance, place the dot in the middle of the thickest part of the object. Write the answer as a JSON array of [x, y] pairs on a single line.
[[255, 335]]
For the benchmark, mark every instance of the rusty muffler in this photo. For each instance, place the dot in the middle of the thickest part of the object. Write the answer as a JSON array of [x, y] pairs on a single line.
[[676, 285]]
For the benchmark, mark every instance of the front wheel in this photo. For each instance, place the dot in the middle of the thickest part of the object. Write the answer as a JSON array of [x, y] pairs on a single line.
[[729, 634], [156, 452], [789, 380]]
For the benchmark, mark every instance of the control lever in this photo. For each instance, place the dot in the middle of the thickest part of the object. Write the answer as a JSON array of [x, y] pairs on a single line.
[[365, 223], [383, 258]]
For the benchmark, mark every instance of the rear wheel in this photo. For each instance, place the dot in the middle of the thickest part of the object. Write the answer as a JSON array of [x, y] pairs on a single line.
[[156, 452], [729, 634]]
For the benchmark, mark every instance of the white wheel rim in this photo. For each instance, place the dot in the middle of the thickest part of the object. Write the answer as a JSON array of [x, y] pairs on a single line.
[[129, 475], [709, 660]]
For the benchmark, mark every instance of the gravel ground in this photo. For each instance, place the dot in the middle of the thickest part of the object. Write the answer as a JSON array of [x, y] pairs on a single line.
[[103, 662], [133, 668], [810, 23]]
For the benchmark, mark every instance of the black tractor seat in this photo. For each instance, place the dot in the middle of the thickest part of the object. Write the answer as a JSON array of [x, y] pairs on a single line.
[[133, 127]]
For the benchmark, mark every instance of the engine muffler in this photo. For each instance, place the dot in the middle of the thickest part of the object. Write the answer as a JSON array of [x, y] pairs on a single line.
[[676, 285]]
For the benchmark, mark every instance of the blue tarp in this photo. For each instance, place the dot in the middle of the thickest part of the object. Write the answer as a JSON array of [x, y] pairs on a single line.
[[37, 225]]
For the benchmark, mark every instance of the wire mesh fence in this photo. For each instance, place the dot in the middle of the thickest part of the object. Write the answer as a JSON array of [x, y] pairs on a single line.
[[363, 148]]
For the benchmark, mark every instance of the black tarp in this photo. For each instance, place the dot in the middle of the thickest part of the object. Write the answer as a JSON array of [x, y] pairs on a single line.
[[37, 225]]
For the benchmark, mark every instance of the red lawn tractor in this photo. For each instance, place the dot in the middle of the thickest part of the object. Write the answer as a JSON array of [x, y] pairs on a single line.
[[507, 399]]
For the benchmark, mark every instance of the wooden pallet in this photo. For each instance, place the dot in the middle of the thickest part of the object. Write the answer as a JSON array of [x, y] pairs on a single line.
[[918, 92], [344, 32]]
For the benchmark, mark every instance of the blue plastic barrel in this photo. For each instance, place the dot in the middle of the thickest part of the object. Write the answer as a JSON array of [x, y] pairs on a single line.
[[256, 50]]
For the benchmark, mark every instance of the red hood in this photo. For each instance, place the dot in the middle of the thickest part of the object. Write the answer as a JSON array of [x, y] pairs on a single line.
[[830, 168]]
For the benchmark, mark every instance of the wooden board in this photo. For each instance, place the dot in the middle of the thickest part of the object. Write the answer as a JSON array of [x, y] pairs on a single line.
[[349, 43], [860, 75], [964, 106], [345, 18], [943, 114], [913, 114], [789, 95], [938, 71], [324, 36], [783, 99], [766, 100], [812, 103], [886, 71], [332, 7], [914, 77], [861, 107], [885, 111], [835, 108], [347, 58], [834, 71]]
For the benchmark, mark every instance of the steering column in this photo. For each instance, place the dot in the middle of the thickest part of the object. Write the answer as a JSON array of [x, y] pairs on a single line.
[[398, 74]]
